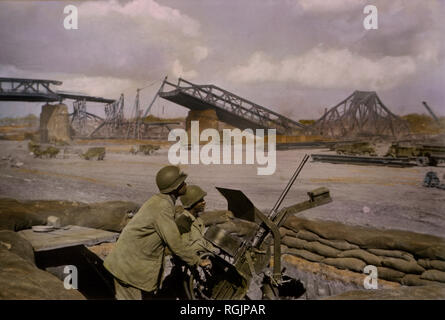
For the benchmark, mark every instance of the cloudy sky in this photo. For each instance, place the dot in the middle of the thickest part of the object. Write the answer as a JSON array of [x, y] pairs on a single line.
[[297, 57]]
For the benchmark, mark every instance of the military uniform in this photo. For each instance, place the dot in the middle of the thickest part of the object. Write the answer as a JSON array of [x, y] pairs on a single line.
[[138, 258], [193, 236]]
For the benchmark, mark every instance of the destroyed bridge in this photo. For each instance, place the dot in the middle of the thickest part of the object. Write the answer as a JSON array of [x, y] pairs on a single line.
[[360, 114], [230, 108], [37, 90]]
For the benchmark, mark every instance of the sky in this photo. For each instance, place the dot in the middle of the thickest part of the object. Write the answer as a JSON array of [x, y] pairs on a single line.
[[296, 57]]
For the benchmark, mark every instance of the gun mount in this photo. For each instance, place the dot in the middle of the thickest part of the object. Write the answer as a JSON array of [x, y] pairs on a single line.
[[240, 261]]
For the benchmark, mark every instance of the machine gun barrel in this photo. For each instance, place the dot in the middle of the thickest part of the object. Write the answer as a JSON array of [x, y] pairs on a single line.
[[277, 205], [273, 213], [251, 257]]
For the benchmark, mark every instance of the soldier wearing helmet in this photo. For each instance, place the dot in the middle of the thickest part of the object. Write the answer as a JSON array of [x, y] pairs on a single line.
[[189, 224], [137, 261], [191, 228]]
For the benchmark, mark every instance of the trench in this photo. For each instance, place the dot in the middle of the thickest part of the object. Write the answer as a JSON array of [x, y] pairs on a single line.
[[96, 283], [93, 280]]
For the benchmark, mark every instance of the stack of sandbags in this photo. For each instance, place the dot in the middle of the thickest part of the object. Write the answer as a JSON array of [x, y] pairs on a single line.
[[15, 216], [216, 217], [21, 279], [112, 215], [401, 256], [225, 219], [404, 257]]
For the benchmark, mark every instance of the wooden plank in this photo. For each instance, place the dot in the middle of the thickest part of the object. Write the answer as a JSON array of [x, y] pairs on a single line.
[[67, 237]]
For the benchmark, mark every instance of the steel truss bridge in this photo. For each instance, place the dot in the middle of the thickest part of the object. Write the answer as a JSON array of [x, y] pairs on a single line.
[[38, 90], [360, 114], [230, 108]]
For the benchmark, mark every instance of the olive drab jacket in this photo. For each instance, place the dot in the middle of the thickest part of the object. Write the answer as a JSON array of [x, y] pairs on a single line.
[[192, 231], [138, 256]]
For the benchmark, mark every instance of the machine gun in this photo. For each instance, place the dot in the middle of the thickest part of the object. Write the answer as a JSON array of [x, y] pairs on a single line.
[[241, 261]]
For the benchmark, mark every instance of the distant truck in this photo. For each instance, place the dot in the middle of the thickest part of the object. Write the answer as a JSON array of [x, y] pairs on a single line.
[[146, 149], [97, 153], [355, 148], [423, 154]]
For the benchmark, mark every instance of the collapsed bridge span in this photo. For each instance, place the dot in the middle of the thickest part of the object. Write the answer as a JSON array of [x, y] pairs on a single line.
[[230, 108]]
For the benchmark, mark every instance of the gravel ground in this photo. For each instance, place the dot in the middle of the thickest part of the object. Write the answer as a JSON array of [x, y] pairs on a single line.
[[382, 197]]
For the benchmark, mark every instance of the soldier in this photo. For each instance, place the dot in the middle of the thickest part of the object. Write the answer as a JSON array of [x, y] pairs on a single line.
[[137, 261], [192, 230], [189, 224]]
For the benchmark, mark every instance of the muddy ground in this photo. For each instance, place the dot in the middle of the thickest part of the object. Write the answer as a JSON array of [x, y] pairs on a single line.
[[382, 197]]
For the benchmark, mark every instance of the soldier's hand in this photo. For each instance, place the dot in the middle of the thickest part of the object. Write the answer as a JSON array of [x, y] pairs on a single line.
[[205, 263]]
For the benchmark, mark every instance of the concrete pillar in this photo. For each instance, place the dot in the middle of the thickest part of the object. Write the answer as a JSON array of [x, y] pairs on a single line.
[[54, 123], [207, 120]]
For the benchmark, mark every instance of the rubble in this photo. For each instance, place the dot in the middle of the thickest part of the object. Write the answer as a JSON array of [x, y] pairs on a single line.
[[431, 180], [97, 153], [17, 164]]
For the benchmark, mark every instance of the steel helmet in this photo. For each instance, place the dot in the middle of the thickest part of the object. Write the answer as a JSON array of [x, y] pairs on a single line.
[[193, 194], [169, 178]]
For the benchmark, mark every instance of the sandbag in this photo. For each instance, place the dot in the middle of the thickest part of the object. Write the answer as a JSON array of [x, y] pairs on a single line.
[[229, 227], [321, 249], [15, 216], [245, 228], [19, 221], [307, 235], [20, 279], [353, 264], [239, 228], [369, 258], [339, 244], [414, 280], [111, 215], [422, 245], [432, 264], [14, 243], [393, 254], [287, 232], [402, 265], [283, 249], [307, 255], [434, 251], [216, 217], [389, 274], [292, 242], [433, 275]]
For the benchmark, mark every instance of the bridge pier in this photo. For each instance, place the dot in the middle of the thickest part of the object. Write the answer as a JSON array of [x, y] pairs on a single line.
[[207, 120], [54, 123]]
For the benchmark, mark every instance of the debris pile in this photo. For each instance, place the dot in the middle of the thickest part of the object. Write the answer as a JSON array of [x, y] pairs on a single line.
[[146, 149], [38, 152], [97, 153], [431, 180]]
